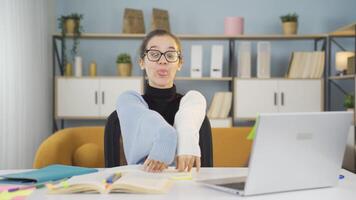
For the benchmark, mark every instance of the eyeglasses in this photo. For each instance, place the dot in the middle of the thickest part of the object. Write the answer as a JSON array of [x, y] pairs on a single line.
[[155, 55]]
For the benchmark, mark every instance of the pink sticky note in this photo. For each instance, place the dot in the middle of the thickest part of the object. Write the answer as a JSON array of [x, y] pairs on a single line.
[[19, 198], [6, 187]]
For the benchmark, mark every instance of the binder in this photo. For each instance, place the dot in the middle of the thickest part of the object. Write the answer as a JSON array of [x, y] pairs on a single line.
[[244, 60], [196, 61], [216, 61], [264, 60]]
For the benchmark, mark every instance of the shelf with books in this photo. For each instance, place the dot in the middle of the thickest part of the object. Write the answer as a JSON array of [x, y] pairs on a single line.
[[232, 69], [58, 63], [265, 93]]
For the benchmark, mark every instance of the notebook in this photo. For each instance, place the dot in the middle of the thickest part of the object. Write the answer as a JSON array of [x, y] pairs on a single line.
[[127, 181], [46, 174]]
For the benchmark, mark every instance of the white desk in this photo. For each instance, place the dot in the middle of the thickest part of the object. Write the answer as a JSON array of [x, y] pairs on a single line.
[[184, 190]]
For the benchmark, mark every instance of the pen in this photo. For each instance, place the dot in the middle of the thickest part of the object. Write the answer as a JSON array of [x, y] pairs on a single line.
[[113, 178], [36, 186]]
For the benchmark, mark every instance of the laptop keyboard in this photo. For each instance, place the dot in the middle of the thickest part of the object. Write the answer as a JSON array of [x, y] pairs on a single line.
[[238, 186]]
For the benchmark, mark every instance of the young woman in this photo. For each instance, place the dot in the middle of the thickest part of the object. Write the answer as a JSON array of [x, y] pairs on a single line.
[[161, 127]]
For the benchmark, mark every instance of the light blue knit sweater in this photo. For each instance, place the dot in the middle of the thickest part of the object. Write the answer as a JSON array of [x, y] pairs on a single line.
[[157, 138]]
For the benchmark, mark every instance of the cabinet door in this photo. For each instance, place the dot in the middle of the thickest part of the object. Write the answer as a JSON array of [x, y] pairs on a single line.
[[77, 98], [111, 88], [300, 95], [255, 96]]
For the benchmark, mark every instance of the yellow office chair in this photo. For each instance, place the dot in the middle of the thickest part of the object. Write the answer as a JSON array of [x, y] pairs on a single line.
[[230, 146], [81, 146]]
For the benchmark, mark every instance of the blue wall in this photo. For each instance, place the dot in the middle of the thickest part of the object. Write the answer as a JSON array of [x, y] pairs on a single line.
[[206, 17]]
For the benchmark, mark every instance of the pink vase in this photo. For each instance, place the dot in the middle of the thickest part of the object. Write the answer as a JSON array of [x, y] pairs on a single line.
[[234, 26]]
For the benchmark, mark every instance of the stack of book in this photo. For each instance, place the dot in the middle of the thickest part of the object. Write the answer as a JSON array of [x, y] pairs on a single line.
[[219, 110], [307, 64]]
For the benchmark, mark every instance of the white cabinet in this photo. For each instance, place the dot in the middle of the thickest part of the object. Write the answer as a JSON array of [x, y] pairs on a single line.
[[253, 96], [91, 97], [300, 95]]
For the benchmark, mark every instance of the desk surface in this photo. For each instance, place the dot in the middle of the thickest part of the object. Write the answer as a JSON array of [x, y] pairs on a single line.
[[184, 190]]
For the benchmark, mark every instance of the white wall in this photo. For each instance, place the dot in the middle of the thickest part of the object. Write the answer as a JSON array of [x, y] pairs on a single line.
[[25, 80]]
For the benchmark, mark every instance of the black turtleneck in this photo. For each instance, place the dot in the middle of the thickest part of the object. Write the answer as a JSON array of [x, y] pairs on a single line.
[[164, 101]]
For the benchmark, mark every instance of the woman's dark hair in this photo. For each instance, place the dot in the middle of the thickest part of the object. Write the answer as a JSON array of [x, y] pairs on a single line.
[[157, 32]]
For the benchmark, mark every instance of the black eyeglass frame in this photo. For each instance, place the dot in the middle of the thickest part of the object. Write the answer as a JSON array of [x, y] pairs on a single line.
[[147, 50]]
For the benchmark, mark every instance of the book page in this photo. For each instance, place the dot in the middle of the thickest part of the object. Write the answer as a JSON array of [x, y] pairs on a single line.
[[88, 183], [139, 181], [133, 180]]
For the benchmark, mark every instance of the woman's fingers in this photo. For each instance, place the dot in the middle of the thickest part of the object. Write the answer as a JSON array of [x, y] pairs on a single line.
[[146, 164], [154, 166], [197, 163], [187, 162], [190, 163], [181, 163], [184, 163]]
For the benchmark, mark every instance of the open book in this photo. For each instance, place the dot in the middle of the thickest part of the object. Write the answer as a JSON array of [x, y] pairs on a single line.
[[129, 181]]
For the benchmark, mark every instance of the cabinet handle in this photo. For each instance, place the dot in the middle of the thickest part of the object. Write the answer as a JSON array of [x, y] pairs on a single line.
[[275, 98], [102, 97], [96, 97], [282, 98]]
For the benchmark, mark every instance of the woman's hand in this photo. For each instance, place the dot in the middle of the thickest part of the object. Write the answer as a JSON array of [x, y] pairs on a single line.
[[154, 166], [186, 162]]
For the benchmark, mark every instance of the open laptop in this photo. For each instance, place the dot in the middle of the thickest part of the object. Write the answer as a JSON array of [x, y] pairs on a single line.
[[292, 151]]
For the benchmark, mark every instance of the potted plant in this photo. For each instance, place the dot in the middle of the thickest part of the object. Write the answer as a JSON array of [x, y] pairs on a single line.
[[349, 102], [290, 23], [70, 24], [124, 65]]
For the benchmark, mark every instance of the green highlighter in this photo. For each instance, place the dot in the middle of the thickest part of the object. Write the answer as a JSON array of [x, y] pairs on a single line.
[[252, 134]]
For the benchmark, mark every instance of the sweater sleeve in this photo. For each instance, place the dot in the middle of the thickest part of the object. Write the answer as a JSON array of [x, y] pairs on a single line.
[[144, 131], [188, 121]]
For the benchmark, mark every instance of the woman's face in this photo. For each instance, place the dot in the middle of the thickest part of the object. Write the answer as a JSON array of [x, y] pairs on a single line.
[[161, 73]]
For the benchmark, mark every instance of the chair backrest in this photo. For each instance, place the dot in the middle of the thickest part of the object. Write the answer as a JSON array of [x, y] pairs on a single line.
[[113, 146], [80, 146], [114, 151], [231, 148]]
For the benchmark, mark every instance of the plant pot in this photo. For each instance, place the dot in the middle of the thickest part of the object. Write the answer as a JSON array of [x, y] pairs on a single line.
[[290, 28], [69, 25], [124, 69], [68, 71]]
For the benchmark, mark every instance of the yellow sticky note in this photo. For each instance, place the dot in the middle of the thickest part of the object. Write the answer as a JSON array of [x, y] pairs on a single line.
[[10, 195], [182, 176], [65, 184], [252, 134]]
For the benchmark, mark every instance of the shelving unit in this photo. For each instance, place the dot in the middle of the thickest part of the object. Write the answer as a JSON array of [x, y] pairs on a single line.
[[109, 36], [232, 71], [348, 31], [315, 38]]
